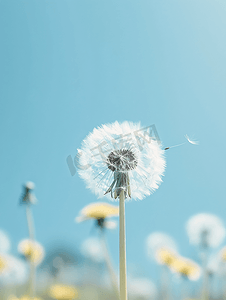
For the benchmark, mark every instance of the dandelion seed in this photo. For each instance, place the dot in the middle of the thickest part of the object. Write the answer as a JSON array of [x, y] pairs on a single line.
[[190, 141]]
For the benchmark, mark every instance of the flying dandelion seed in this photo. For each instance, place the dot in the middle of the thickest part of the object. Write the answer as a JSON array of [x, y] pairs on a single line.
[[190, 141]]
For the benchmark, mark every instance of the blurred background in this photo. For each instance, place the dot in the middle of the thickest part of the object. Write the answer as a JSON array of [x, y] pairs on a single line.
[[68, 66]]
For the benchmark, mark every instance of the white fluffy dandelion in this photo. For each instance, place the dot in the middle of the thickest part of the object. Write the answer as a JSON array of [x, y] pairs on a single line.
[[205, 230], [121, 156]]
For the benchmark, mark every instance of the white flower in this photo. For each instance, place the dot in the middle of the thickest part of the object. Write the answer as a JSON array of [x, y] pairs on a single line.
[[116, 157], [186, 267], [205, 230], [4, 242], [157, 241], [92, 248], [14, 271], [141, 288]]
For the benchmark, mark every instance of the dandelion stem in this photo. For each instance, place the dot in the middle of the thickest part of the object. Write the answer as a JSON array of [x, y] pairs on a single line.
[[31, 231], [109, 264], [205, 276], [122, 247]]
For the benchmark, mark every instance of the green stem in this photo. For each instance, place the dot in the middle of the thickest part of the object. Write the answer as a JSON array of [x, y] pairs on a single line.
[[122, 247], [31, 231]]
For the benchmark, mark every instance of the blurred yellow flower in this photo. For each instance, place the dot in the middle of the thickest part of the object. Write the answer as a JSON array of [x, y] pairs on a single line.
[[165, 256], [60, 291], [186, 268], [98, 210], [31, 250], [3, 264], [25, 297], [223, 254]]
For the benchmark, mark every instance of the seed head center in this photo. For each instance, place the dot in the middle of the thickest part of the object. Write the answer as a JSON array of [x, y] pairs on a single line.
[[121, 160]]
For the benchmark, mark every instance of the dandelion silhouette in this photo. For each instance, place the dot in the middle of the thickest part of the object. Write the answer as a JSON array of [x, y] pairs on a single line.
[[123, 163]]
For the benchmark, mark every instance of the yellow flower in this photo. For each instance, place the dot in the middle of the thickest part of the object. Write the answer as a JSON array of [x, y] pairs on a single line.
[[59, 291], [3, 264], [25, 297], [98, 211], [32, 251], [186, 268], [223, 254], [165, 256]]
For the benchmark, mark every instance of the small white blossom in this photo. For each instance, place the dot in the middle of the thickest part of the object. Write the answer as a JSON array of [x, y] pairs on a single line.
[[92, 248]]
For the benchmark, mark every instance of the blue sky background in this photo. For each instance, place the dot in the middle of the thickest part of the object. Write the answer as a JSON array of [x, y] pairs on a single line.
[[69, 66]]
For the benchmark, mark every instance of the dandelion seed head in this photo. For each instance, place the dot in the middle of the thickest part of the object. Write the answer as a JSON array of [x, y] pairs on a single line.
[[205, 230], [119, 156]]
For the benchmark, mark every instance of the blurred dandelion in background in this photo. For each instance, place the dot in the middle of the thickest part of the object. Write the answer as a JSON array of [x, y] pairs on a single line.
[[29, 199], [206, 231], [158, 240], [13, 271], [32, 251], [99, 211], [141, 289], [186, 269], [163, 249], [92, 249]]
